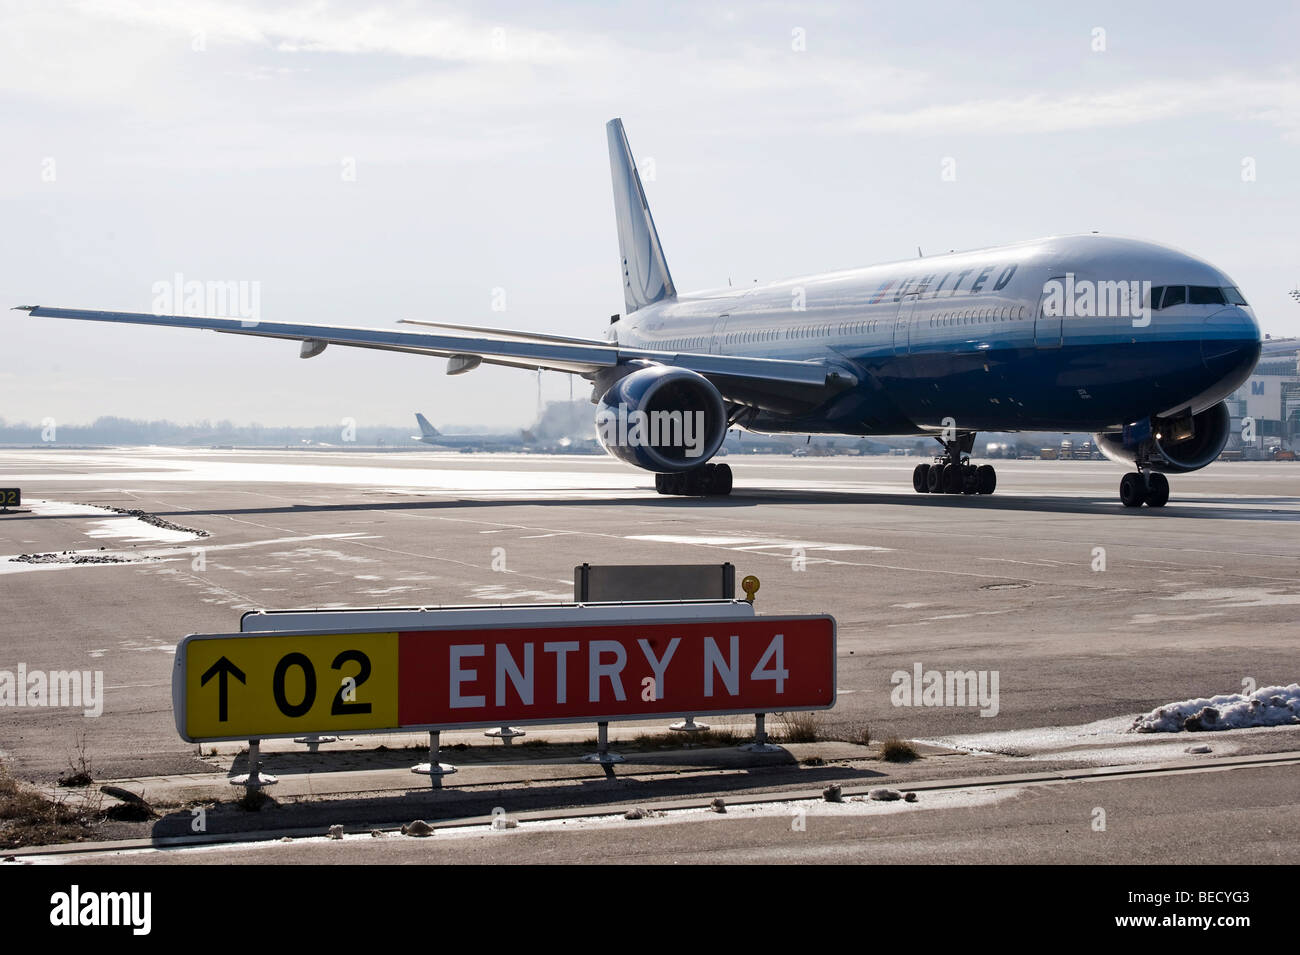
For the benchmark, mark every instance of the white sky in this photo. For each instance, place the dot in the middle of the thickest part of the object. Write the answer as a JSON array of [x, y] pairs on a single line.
[[478, 141]]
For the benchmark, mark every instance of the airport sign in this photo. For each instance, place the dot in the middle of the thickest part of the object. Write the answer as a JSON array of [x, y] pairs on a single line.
[[281, 684]]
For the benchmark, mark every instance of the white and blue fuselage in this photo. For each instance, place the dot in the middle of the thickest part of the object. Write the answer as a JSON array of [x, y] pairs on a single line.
[[977, 338]]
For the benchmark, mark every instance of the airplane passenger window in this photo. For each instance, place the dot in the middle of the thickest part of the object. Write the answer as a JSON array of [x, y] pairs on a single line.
[[1174, 295], [1205, 295]]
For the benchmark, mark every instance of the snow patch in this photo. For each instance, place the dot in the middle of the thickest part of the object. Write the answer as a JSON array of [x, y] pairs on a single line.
[[1269, 706]]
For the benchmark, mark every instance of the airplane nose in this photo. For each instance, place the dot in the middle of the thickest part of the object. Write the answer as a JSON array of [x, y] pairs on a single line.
[[1230, 344]]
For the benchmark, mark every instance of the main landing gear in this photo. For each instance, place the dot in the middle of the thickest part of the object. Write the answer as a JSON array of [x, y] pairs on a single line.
[[708, 480], [1144, 487], [952, 472]]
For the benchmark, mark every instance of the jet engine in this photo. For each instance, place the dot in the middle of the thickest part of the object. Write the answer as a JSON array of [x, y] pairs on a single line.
[[1173, 445], [662, 419]]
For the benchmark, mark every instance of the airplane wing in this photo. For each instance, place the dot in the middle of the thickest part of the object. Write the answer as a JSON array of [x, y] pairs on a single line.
[[574, 357], [505, 332]]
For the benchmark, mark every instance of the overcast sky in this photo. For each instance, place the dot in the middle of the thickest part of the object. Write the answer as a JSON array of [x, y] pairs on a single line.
[[367, 162]]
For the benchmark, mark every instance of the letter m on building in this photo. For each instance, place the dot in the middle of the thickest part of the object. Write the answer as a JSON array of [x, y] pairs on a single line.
[[1257, 387]]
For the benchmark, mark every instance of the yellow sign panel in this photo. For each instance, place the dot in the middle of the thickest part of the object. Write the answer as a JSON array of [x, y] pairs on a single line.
[[250, 686]]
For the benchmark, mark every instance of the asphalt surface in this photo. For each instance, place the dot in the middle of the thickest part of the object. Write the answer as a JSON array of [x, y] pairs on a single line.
[[1206, 816], [1196, 599]]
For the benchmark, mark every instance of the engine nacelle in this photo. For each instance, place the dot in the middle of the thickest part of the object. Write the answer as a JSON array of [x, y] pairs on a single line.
[[662, 419], [1172, 445]]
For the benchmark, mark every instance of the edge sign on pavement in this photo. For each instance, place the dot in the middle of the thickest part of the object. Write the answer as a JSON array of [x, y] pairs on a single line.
[[267, 685]]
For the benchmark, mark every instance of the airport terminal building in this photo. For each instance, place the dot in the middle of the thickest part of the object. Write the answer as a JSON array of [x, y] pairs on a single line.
[[1272, 398]]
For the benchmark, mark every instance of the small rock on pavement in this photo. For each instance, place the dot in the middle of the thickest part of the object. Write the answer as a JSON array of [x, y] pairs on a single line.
[[336, 832], [910, 797], [717, 805], [637, 813], [418, 828], [885, 795], [1202, 748], [833, 794], [376, 834]]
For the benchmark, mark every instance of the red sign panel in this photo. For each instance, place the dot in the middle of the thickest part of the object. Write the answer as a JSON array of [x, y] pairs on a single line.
[[489, 677]]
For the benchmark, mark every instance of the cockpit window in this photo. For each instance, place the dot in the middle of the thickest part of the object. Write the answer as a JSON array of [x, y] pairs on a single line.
[[1233, 296], [1174, 295], [1156, 293], [1205, 295]]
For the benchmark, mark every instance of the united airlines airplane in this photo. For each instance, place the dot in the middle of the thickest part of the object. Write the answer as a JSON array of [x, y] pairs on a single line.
[[1135, 341]]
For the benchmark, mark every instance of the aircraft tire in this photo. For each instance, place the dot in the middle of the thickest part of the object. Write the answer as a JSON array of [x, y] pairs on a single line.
[[722, 479], [921, 479], [952, 479], [986, 479], [1157, 489], [934, 479], [1132, 490]]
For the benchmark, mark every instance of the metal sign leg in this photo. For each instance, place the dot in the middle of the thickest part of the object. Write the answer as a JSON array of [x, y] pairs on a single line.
[[253, 779], [602, 754], [760, 744], [313, 741], [506, 734], [688, 725], [434, 769]]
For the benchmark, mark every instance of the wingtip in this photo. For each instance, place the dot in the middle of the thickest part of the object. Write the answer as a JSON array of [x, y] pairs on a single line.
[[24, 308]]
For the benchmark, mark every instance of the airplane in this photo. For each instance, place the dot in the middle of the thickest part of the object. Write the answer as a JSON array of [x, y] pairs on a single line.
[[945, 346], [431, 435]]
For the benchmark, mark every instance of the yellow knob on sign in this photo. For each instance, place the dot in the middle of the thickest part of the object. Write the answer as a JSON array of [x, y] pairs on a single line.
[[750, 586]]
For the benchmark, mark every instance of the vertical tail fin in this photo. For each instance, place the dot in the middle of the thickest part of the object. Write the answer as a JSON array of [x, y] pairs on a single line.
[[426, 429], [645, 272]]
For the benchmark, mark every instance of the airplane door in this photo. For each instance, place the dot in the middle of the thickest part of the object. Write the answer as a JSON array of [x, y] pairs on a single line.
[[1047, 328], [718, 341], [903, 324]]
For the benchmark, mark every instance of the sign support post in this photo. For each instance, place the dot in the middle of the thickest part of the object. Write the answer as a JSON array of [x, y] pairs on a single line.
[[253, 779], [688, 725], [602, 754], [434, 769], [313, 741], [760, 744]]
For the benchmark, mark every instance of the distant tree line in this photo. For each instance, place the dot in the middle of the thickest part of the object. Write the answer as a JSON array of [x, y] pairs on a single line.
[[113, 430]]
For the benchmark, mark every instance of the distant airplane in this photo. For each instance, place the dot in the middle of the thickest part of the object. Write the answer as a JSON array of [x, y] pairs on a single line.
[[1134, 341], [431, 435]]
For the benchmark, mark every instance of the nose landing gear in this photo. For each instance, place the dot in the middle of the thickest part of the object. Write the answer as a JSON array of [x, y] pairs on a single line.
[[952, 472], [1144, 487]]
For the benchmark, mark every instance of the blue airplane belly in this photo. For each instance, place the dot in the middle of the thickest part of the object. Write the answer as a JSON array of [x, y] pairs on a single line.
[[1077, 387]]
